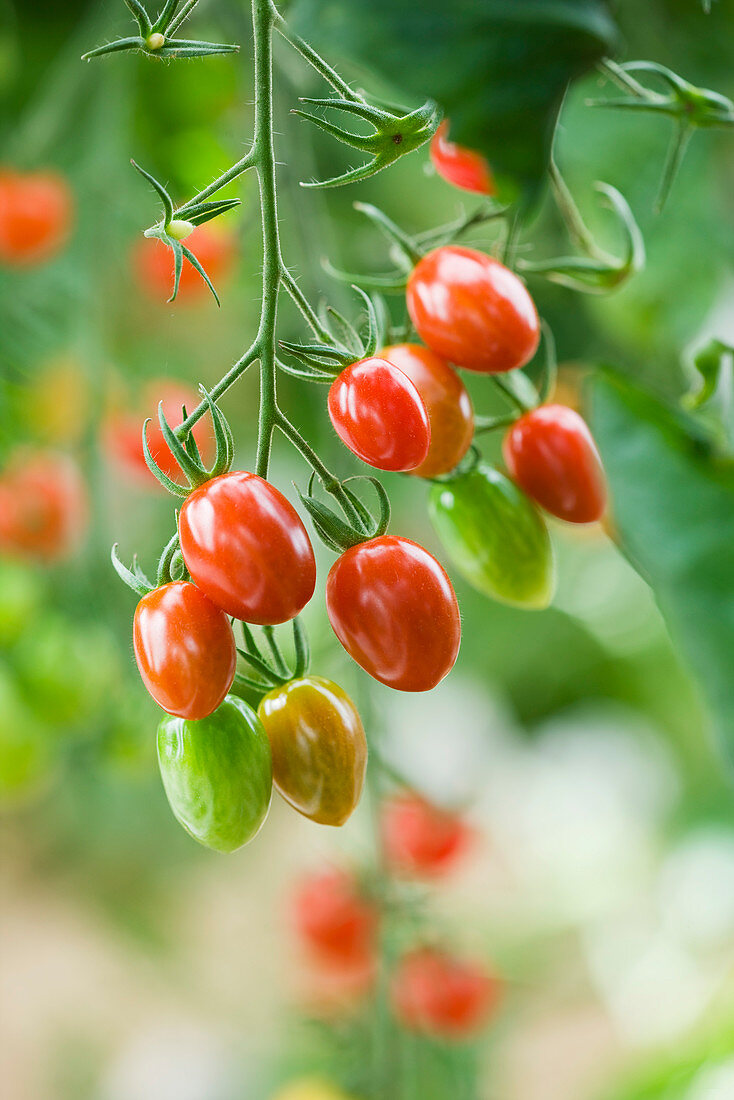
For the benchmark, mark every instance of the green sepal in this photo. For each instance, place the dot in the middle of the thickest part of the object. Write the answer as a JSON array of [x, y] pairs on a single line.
[[305, 373], [202, 212], [141, 16], [121, 44], [163, 574], [166, 15], [707, 366], [134, 578], [406, 245], [393, 282], [337, 534]]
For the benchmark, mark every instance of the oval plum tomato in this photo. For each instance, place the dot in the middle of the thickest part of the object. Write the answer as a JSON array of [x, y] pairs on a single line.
[[43, 506], [551, 455], [217, 774], [496, 536], [154, 264], [319, 748], [333, 920], [472, 310], [438, 995], [185, 649], [447, 403], [123, 432], [458, 165], [36, 212], [245, 546], [378, 413], [393, 609], [420, 839]]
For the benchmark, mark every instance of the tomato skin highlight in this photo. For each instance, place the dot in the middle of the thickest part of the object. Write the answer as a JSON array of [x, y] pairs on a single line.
[[319, 748], [394, 610], [245, 546], [44, 507], [552, 456], [36, 213], [185, 650], [333, 920], [458, 165], [496, 537], [217, 774], [449, 407], [153, 264], [472, 310], [436, 994], [378, 413], [420, 840]]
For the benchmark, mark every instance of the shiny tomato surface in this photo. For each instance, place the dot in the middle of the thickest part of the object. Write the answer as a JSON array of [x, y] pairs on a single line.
[[319, 748], [462, 167], [472, 310], [36, 213], [185, 649], [379, 415], [419, 839], [446, 401], [245, 546], [394, 610], [333, 920], [442, 996], [552, 456], [153, 263], [43, 506]]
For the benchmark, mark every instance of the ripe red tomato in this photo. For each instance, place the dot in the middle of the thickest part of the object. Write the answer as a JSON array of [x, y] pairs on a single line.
[[185, 649], [43, 506], [460, 166], [551, 455], [393, 609], [122, 432], [447, 403], [244, 544], [438, 995], [472, 310], [36, 212], [420, 839], [333, 920], [154, 265], [380, 416]]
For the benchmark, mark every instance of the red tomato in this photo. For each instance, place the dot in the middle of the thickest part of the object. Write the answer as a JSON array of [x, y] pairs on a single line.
[[439, 995], [185, 649], [462, 167], [123, 431], [244, 544], [551, 455], [334, 921], [472, 310], [393, 609], [447, 403], [154, 265], [420, 839], [43, 506], [380, 416], [36, 212]]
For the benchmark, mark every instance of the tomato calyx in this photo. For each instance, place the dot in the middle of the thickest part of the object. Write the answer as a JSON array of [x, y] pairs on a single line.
[[170, 568], [187, 454], [340, 534], [323, 362], [154, 40]]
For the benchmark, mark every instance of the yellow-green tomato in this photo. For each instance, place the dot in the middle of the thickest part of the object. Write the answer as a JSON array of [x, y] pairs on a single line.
[[217, 774], [496, 537], [319, 748]]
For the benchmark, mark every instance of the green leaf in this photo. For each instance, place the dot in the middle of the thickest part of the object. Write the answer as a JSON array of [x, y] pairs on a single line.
[[498, 68], [673, 507]]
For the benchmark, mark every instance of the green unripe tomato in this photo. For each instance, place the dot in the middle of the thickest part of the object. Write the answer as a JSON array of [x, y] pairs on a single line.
[[179, 229], [495, 536], [217, 773]]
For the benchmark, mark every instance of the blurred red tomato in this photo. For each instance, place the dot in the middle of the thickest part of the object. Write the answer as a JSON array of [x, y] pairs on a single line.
[[439, 995], [43, 506], [334, 921], [154, 265], [421, 840], [36, 213], [464, 168]]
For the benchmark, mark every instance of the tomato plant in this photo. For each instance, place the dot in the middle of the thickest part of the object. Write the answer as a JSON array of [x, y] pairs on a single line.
[[420, 839], [43, 506], [185, 649], [443, 996], [463, 168], [334, 920], [36, 213], [153, 264]]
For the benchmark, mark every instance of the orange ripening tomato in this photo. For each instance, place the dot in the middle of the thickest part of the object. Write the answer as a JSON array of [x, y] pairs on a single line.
[[43, 506], [472, 310], [185, 650], [334, 921], [449, 407], [458, 165], [36, 214], [439, 995], [153, 262], [122, 433], [552, 456], [420, 839]]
